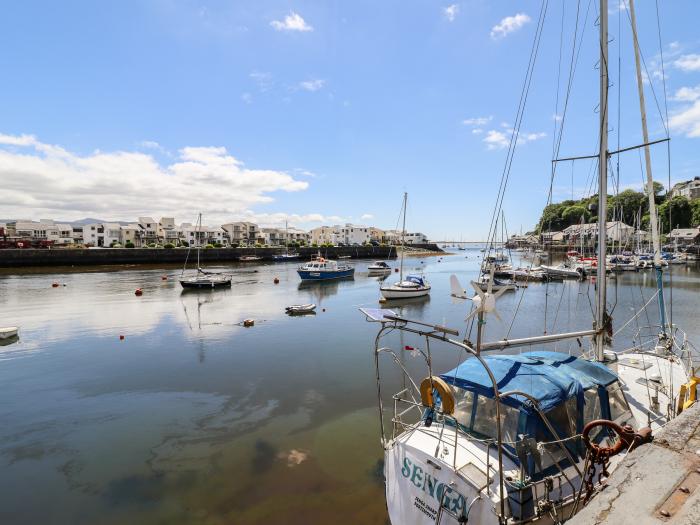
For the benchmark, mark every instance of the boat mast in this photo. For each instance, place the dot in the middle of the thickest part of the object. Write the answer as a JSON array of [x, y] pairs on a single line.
[[653, 217], [403, 236], [199, 239], [601, 313]]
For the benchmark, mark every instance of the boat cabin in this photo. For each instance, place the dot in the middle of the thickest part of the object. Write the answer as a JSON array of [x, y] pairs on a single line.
[[568, 391], [413, 280], [321, 263]]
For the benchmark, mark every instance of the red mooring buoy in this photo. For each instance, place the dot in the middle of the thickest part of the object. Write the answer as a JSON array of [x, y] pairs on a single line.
[[138, 291]]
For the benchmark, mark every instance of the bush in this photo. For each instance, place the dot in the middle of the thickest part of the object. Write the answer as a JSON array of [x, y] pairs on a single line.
[[184, 244], [209, 246], [152, 245], [129, 244], [168, 246], [115, 245], [314, 245], [234, 245]]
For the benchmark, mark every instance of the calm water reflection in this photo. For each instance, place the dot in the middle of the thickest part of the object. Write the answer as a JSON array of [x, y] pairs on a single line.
[[192, 418]]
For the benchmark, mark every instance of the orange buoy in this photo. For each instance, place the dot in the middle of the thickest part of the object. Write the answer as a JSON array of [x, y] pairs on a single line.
[[138, 291], [121, 337], [276, 280], [54, 285]]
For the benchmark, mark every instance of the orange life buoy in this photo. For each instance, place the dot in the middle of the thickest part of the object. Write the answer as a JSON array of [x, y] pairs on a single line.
[[426, 394], [598, 450]]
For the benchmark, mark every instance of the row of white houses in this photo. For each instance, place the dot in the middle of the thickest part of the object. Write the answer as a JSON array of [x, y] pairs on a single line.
[[147, 231]]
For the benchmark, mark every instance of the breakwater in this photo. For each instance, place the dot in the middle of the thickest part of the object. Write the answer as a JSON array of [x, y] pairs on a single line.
[[20, 258]]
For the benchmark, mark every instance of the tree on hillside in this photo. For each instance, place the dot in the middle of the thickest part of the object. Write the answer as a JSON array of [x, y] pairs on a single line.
[[627, 204], [572, 214], [681, 213], [695, 205]]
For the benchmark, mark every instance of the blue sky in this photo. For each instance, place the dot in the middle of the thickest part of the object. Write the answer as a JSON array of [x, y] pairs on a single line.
[[323, 112]]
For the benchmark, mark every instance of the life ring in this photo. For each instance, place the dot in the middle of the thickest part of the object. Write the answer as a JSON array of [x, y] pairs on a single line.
[[426, 394], [597, 450]]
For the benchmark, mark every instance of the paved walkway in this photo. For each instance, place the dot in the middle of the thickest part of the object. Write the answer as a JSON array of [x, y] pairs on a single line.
[[649, 481]]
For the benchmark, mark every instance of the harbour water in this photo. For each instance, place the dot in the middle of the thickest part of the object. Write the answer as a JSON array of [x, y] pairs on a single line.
[[193, 418]]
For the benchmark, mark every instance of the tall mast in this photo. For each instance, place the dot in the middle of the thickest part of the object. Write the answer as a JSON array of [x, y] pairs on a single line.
[[199, 237], [403, 235], [602, 183], [653, 217]]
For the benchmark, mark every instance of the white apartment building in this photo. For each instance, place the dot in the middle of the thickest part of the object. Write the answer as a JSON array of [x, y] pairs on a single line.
[[102, 234], [325, 235], [149, 230], [130, 233], [353, 234], [44, 230], [297, 235], [689, 189], [202, 235], [272, 236], [168, 232], [243, 232], [416, 238]]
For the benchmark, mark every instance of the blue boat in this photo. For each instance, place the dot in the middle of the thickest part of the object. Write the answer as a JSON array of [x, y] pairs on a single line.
[[321, 269]]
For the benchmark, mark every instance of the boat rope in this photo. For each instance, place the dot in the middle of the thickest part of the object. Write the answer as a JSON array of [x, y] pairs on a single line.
[[638, 313]]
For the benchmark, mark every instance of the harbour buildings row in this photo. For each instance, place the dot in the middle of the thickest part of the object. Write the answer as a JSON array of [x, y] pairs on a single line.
[[617, 232], [147, 231]]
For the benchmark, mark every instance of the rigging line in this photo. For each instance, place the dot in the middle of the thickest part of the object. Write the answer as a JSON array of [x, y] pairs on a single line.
[[556, 101], [661, 54], [575, 53], [516, 128], [646, 70]]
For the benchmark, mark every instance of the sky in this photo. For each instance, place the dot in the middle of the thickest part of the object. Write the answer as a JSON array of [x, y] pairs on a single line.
[[326, 112]]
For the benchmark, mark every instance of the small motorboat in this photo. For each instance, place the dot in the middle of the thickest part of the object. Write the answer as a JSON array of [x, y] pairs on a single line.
[[285, 257], [249, 258], [300, 309], [379, 268], [9, 332], [564, 272], [344, 256], [498, 284]]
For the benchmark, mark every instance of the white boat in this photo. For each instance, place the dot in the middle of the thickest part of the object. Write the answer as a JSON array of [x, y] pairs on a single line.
[[496, 284], [297, 309], [379, 268], [563, 271], [412, 285], [525, 438], [9, 332], [249, 258], [322, 269]]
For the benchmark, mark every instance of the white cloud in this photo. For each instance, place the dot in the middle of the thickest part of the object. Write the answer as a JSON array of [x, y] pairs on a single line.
[[451, 12], [291, 22], [312, 84], [366, 217], [690, 62], [687, 120], [263, 79], [687, 94], [509, 24], [477, 131], [477, 121], [247, 98], [495, 139], [45, 180]]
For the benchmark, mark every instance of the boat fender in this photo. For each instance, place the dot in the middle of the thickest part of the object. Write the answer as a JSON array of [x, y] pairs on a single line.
[[138, 291], [431, 383]]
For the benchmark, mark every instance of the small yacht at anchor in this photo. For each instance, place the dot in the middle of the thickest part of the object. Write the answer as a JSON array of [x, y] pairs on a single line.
[[321, 269], [412, 285], [203, 279]]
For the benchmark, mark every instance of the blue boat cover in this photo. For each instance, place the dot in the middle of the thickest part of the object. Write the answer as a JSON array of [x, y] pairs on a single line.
[[549, 377], [415, 279]]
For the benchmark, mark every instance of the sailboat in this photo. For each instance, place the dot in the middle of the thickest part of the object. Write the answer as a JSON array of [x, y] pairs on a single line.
[[202, 279], [286, 256], [413, 285], [527, 438]]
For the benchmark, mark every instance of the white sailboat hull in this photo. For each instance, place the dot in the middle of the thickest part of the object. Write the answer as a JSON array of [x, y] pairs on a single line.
[[7, 333], [398, 292]]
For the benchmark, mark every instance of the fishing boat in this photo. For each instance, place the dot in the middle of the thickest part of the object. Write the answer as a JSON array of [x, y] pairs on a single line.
[[378, 268], [322, 269], [300, 309], [202, 279], [413, 285], [286, 256], [9, 332], [528, 438]]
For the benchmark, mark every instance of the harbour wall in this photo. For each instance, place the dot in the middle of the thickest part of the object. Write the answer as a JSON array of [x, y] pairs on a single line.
[[655, 484], [19, 258]]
